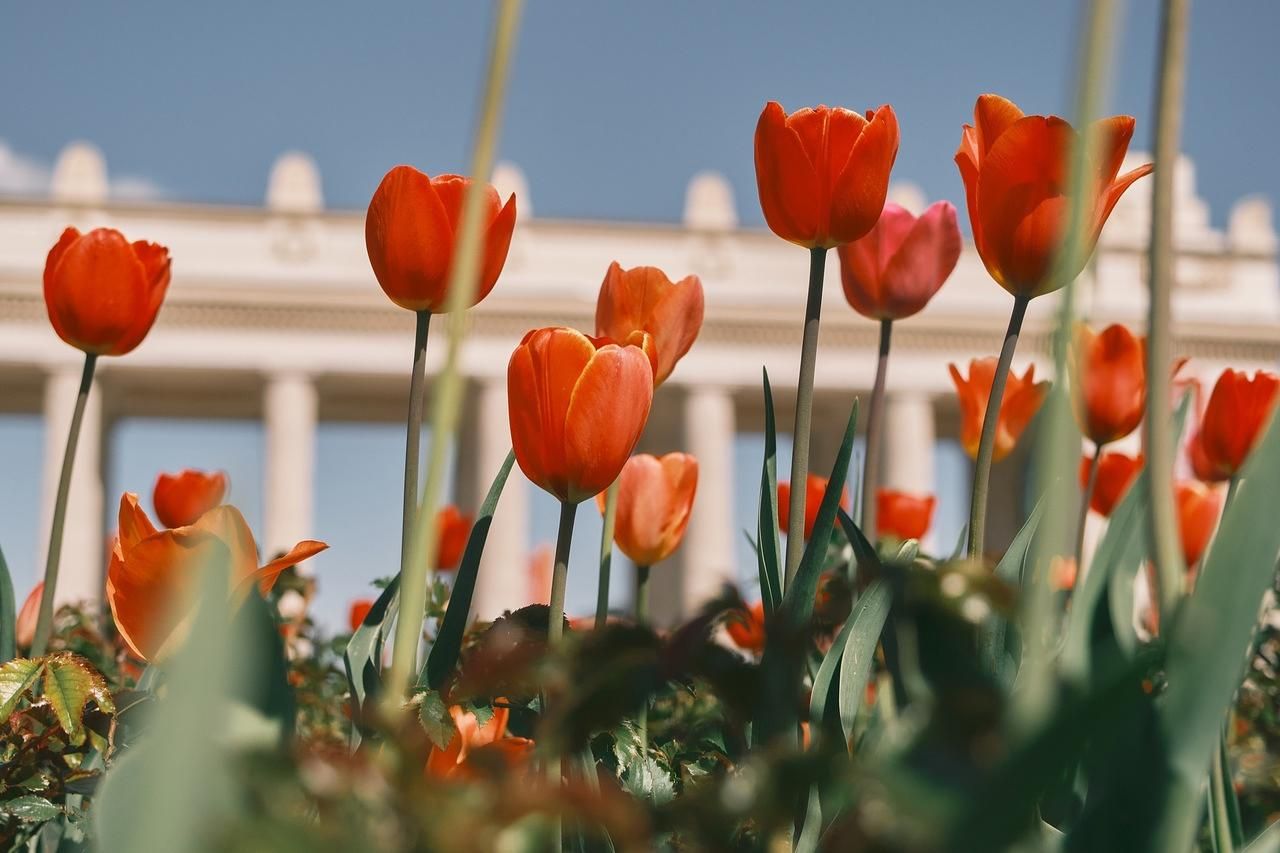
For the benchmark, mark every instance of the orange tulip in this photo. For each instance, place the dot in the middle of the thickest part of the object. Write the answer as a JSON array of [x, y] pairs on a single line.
[[577, 406], [895, 270], [24, 626], [1111, 369], [815, 488], [152, 574], [1015, 171], [1022, 399], [643, 300], [823, 173], [746, 628], [103, 292], [180, 499], [1116, 472], [453, 530], [471, 737], [359, 610], [411, 231], [903, 515], [655, 496], [1198, 509], [1238, 410]]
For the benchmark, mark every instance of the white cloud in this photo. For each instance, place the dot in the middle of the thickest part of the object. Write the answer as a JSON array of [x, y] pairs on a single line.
[[22, 175]]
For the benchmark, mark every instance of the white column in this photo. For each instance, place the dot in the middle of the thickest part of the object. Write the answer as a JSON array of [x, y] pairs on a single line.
[[84, 547], [709, 429], [909, 436], [289, 408], [503, 580]]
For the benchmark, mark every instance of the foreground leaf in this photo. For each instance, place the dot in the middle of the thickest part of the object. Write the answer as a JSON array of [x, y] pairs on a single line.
[[8, 614], [768, 547], [16, 678], [70, 682]]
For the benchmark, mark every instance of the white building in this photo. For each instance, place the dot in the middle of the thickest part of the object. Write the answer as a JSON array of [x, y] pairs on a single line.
[[274, 313]]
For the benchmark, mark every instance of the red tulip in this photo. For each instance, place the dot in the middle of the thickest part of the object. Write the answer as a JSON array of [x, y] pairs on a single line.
[[1016, 179], [152, 573], [577, 407], [823, 173], [655, 497], [1205, 470], [643, 300], [453, 529], [411, 232], [24, 626], [1116, 472], [1111, 369], [359, 610], [103, 292], [1022, 399], [1238, 410], [895, 270], [815, 488], [180, 499], [470, 738], [1198, 510], [746, 628], [903, 515]]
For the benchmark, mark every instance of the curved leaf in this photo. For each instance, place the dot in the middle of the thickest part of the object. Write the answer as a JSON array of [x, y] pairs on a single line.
[[993, 634], [768, 548], [868, 618], [70, 682], [363, 656]]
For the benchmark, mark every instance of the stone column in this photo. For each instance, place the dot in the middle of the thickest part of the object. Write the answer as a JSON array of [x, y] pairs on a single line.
[[289, 407], [503, 580], [909, 436], [84, 545], [709, 429]]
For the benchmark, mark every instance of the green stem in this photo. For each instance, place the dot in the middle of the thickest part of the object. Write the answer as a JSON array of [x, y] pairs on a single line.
[[804, 412], [642, 619], [413, 437], [990, 420], [875, 435], [555, 634], [1087, 495], [44, 624], [606, 554], [1219, 816]]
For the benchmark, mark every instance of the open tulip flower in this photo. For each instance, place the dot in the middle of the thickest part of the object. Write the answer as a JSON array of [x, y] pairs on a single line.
[[577, 406], [655, 497], [453, 529], [103, 292], [816, 486], [1022, 400], [823, 172], [746, 628], [1116, 472], [153, 574], [1015, 169], [470, 738], [180, 499], [895, 269], [642, 300], [1198, 508], [411, 232], [903, 515], [1111, 372], [1238, 409]]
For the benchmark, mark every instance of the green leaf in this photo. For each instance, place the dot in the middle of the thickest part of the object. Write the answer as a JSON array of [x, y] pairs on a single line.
[[1267, 842], [436, 720], [70, 682], [265, 687], [768, 549], [993, 634], [16, 678], [444, 653], [363, 657], [8, 614], [868, 617], [30, 809]]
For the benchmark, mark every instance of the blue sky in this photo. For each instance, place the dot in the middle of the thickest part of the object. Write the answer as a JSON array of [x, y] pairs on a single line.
[[612, 107]]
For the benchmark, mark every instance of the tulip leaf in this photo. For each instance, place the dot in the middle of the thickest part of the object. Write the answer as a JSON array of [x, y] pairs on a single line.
[[264, 687], [768, 550], [868, 618], [363, 656], [993, 640], [70, 682], [444, 653], [16, 678], [8, 614], [1267, 842]]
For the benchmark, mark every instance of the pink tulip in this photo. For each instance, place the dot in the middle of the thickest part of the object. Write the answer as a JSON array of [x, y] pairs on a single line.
[[896, 269]]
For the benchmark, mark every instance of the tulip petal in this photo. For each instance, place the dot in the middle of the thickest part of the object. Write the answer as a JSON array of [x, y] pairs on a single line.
[[134, 523], [925, 256], [497, 243], [409, 239], [675, 322], [605, 416], [992, 116], [97, 292], [265, 578], [788, 184], [859, 189], [156, 265]]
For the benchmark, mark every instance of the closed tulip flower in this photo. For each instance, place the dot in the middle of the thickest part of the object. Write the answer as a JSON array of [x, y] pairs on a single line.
[[24, 626], [894, 270], [816, 486], [359, 609], [180, 499], [411, 233], [643, 300], [577, 407], [1198, 509], [902, 514], [1111, 369], [746, 628], [823, 173], [1238, 410], [1015, 169], [1116, 472], [453, 529], [1022, 400], [1205, 470], [152, 574], [103, 292], [655, 497]]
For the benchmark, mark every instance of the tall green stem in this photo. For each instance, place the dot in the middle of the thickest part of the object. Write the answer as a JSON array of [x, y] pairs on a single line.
[[555, 632], [875, 435], [642, 619], [44, 624], [413, 438], [1091, 483], [606, 554], [990, 420], [804, 412]]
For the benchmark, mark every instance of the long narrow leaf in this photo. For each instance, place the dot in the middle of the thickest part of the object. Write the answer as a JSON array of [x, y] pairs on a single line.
[[363, 657], [768, 548], [992, 639], [868, 618], [8, 614], [1267, 842]]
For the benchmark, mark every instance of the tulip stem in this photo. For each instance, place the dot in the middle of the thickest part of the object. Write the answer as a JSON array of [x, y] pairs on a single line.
[[44, 624], [1091, 483], [555, 628], [990, 421], [606, 554], [875, 435], [413, 439], [804, 411], [642, 619]]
